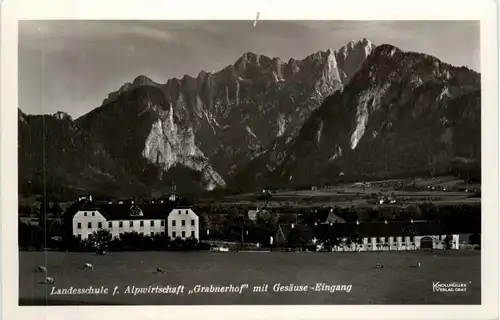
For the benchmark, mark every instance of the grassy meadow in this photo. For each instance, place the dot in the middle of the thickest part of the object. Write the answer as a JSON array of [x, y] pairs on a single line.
[[399, 282]]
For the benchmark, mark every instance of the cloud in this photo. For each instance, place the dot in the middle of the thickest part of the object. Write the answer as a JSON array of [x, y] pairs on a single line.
[[59, 35]]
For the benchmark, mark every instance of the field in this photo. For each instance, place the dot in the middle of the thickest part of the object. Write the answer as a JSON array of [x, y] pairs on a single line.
[[397, 283], [449, 191]]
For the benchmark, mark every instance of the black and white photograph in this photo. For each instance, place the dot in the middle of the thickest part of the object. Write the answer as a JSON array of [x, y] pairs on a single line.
[[250, 162]]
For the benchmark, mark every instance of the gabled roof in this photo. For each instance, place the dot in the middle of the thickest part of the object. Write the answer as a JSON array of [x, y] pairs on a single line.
[[333, 218], [74, 208], [127, 210]]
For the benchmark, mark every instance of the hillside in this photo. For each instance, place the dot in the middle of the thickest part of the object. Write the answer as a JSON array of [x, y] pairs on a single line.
[[196, 131], [402, 114]]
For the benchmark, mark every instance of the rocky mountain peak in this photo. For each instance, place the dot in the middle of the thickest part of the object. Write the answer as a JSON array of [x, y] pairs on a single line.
[[60, 115], [350, 57], [142, 79]]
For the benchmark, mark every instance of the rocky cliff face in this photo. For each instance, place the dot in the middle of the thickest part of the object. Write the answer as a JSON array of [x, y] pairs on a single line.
[[401, 114], [239, 127]]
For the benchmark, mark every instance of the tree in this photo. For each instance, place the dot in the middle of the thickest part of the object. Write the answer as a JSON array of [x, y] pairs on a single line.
[[100, 239], [191, 243], [296, 238], [56, 209]]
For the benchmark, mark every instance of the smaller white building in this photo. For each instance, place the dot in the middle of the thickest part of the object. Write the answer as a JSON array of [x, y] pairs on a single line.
[[183, 222]]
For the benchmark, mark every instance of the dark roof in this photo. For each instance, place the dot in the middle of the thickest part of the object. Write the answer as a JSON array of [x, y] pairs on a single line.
[[74, 208], [339, 230], [284, 230], [332, 217], [319, 215], [131, 211], [371, 229]]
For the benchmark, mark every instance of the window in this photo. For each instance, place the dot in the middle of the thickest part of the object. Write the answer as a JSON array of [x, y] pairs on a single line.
[[131, 223], [79, 225], [183, 234], [110, 224], [79, 237], [152, 234], [99, 225], [85, 213], [173, 234], [152, 223], [141, 224], [89, 225], [192, 222], [163, 223], [120, 224], [173, 223], [179, 211], [183, 222], [192, 234], [187, 211], [93, 214], [121, 234]]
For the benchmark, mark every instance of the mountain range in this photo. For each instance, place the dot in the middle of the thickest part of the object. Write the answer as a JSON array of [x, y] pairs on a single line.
[[359, 112]]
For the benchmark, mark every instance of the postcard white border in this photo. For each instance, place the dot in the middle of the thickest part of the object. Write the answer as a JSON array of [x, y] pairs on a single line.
[[485, 11]]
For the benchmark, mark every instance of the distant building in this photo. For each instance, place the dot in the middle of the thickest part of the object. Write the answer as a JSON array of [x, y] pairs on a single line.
[[333, 218], [255, 213], [183, 222], [322, 216], [148, 218], [377, 236]]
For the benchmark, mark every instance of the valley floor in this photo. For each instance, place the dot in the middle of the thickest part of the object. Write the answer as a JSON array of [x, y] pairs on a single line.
[[398, 282]]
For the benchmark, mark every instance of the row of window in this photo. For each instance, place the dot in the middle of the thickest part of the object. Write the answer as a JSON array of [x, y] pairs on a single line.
[[174, 235], [120, 224], [131, 224], [183, 222], [412, 238], [93, 213], [183, 234]]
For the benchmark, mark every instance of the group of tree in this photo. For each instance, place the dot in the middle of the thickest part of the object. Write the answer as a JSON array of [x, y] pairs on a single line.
[[102, 240]]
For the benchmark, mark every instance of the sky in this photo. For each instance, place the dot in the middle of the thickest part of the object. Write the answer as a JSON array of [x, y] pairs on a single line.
[[73, 65]]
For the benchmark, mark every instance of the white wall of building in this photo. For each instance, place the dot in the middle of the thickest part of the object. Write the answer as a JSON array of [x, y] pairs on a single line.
[[119, 227], [184, 223], [87, 221], [398, 243]]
